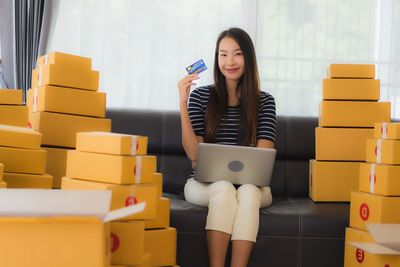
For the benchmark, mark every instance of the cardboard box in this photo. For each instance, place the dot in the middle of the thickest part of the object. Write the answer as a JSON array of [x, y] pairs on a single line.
[[26, 180], [158, 182], [362, 71], [362, 250], [161, 244], [10, 97], [353, 113], [127, 242], [14, 115], [56, 227], [371, 208], [380, 179], [122, 195], [351, 89], [52, 74], [145, 262], [383, 151], [65, 60], [67, 100], [385, 130], [23, 160], [111, 143], [162, 217], [111, 168], [333, 181], [1, 171], [3, 184], [22, 137], [341, 144], [61, 129], [56, 164]]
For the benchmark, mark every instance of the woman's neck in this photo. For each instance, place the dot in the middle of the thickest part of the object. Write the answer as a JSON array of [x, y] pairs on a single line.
[[231, 87]]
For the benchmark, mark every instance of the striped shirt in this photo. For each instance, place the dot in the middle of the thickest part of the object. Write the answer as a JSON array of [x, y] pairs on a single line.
[[229, 127]]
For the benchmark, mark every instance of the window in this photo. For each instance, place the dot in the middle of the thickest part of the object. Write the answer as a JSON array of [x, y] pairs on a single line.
[[141, 48]]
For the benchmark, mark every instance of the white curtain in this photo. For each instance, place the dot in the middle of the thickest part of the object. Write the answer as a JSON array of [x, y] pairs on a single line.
[[141, 47]]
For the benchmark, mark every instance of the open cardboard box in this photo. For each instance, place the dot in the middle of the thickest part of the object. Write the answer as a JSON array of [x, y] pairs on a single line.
[[386, 237], [49, 228]]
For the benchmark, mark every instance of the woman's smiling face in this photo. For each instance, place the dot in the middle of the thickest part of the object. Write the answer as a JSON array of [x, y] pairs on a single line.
[[230, 59]]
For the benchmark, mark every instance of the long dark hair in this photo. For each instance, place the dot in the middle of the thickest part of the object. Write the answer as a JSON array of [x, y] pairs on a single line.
[[248, 92]]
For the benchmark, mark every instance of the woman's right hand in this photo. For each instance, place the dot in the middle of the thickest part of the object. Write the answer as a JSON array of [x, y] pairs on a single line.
[[184, 88]]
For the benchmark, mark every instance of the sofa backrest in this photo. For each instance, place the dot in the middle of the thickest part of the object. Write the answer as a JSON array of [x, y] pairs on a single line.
[[295, 146]]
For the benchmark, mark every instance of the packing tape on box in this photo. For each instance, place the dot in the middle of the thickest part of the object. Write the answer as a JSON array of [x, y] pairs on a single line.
[[372, 178], [40, 80], [378, 150], [35, 97], [46, 59], [384, 130], [138, 169], [134, 144]]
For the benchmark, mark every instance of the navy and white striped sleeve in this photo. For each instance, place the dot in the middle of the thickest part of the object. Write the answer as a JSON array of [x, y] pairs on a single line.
[[196, 112], [266, 118]]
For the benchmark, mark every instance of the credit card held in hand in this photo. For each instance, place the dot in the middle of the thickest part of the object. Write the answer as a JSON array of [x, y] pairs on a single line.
[[197, 67]]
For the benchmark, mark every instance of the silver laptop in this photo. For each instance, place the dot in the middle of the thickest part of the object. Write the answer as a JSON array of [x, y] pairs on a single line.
[[236, 164]]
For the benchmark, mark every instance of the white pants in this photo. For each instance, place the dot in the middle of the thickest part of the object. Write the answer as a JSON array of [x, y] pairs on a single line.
[[230, 210]]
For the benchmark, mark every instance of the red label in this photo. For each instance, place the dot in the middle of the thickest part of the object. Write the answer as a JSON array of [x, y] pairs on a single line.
[[364, 211], [114, 242], [29, 125], [374, 179], [137, 146], [376, 151], [131, 200], [134, 170], [360, 255]]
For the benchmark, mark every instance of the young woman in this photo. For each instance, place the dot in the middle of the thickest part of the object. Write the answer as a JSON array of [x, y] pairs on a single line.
[[231, 111]]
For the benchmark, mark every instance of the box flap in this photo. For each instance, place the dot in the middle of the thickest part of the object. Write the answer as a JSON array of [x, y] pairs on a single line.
[[120, 213], [386, 237], [40, 202]]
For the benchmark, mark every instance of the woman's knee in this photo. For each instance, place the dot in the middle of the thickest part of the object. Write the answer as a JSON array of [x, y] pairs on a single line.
[[248, 193]]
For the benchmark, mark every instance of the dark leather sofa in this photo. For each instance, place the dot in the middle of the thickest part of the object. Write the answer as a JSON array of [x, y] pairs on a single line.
[[294, 231]]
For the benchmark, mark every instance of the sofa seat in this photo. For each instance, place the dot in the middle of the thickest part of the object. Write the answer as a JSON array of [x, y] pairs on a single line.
[[289, 230]]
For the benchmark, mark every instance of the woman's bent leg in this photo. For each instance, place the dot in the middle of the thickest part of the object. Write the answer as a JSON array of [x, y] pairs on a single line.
[[222, 205], [245, 228]]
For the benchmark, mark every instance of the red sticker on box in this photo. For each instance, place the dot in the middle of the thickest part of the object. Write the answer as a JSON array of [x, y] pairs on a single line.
[[131, 200], [360, 255], [364, 211], [114, 242]]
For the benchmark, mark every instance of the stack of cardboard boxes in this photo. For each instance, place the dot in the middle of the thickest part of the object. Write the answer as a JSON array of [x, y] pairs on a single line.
[[23, 161], [64, 100], [377, 202], [347, 115], [118, 162], [12, 112]]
